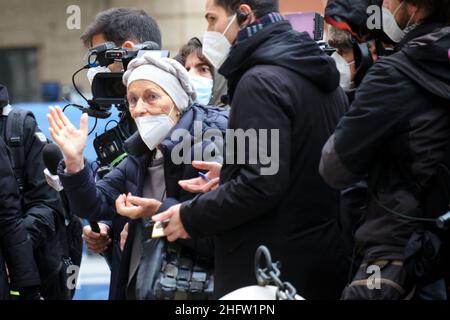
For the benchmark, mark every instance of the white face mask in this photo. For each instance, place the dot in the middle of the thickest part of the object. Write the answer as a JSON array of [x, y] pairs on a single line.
[[203, 87], [390, 25], [154, 129], [92, 72], [216, 46], [344, 69]]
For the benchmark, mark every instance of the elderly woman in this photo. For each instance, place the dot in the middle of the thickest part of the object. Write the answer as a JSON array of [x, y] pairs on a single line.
[[160, 98]]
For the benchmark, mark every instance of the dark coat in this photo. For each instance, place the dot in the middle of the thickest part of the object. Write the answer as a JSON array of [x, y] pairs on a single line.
[[396, 133], [97, 201], [15, 245], [278, 79], [41, 208], [42, 213]]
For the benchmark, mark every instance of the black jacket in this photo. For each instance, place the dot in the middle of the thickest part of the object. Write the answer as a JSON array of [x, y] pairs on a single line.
[[278, 79], [396, 132], [40, 206], [41, 209], [15, 245], [97, 201]]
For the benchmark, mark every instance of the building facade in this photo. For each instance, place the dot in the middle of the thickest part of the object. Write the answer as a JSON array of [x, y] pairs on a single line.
[[40, 42]]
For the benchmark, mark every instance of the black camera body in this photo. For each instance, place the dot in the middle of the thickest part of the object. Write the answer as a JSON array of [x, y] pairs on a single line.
[[107, 88], [108, 91]]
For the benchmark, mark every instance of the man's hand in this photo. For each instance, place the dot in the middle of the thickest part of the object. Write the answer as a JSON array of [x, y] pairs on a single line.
[[199, 185], [135, 207], [175, 229], [123, 237], [97, 242], [72, 141]]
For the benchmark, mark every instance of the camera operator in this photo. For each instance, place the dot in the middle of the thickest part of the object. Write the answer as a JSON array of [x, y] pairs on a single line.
[[125, 27], [357, 48], [397, 133]]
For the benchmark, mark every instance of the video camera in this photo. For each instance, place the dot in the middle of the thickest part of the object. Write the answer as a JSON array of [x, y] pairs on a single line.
[[107, 88], [108, 91]]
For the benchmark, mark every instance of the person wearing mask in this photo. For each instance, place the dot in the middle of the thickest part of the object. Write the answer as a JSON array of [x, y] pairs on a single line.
[[352, 45], [209, 84], [396, 134], [344, 57], [160, 97], [125, 27], [56, 237], [281, 81], [18, 270]]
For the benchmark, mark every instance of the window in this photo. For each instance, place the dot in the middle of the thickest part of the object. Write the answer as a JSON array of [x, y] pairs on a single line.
[[18, 71]]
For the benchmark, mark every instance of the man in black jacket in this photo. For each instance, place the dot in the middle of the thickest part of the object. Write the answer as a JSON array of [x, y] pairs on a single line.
[[16, 248], [397, 132], [281, 80], [43, 216]]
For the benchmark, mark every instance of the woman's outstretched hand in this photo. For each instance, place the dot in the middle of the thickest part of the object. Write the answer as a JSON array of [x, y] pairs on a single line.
[[72, 141]]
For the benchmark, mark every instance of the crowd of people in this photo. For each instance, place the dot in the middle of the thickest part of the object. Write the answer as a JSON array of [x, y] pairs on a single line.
[[360, 142]]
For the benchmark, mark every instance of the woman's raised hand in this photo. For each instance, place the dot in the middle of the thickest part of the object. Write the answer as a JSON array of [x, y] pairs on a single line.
[[71, 140]]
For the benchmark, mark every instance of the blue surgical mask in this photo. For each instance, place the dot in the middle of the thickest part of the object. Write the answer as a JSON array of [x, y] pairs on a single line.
[[203, 87]]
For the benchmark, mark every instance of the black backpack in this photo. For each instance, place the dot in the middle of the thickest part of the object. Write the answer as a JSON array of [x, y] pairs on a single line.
[[68, 226]]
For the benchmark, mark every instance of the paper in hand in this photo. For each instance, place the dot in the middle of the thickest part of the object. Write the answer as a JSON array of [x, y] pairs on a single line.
[[158, 229]]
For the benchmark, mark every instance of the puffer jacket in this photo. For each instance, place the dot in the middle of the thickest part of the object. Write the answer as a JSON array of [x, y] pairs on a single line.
[[96, 201]]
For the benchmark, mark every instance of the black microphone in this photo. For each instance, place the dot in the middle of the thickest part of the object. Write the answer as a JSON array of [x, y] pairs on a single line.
[[52, 156]]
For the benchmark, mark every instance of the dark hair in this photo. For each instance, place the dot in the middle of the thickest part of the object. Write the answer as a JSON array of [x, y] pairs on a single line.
[[438, 10], [121, 24], [193, 46], [259, 7]]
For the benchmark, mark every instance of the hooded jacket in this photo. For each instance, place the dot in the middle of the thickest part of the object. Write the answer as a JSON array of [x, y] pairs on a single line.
[[41, 209], [16, 248], [278, 80], [396, 132]]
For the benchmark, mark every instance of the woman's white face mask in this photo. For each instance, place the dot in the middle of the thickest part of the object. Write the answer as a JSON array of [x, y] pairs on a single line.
[[154, 129], [216, 46]]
